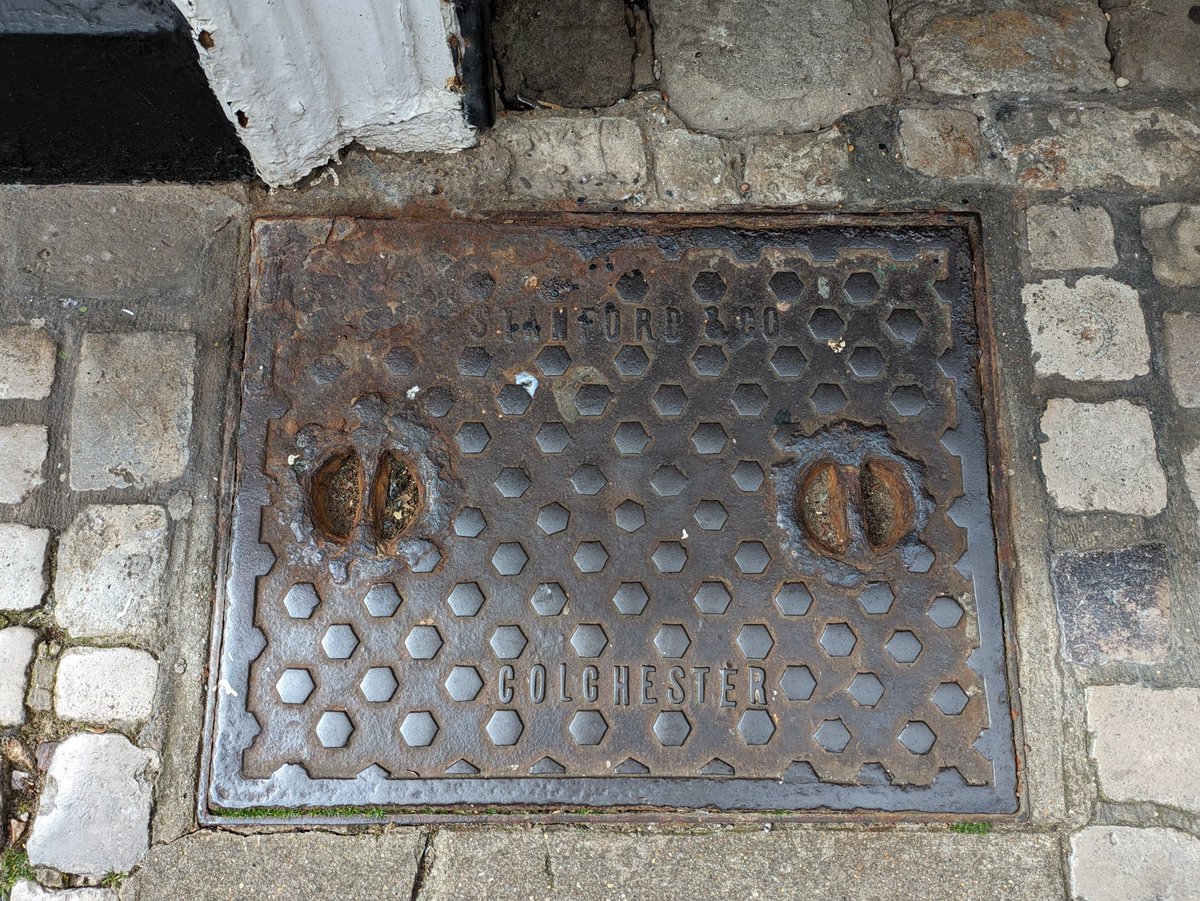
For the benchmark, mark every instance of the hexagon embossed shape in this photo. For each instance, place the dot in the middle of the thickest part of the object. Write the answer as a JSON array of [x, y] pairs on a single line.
[[609, 573]]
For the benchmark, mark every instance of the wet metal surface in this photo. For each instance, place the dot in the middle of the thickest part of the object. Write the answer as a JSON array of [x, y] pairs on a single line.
[[612, 511]]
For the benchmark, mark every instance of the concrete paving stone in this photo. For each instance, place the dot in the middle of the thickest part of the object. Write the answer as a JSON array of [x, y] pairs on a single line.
[[1083, 146], [692, 170], [737, 67], [31, 891], [105, 685], [566, 158], [801, 169], [287, 866], [1064, 237], [1181, 345], [93, 815], [1092, 331], [16, 652], [109, 578], [940, 143], [1102, 457], [1126, 863], [1154, 43], [22, 566], [598, 863], [26, 363], [1145, 743], [565, 52], [1114, 605], [132, 413], [1171, 232], [23, 449], [116, 242], [980, 46]]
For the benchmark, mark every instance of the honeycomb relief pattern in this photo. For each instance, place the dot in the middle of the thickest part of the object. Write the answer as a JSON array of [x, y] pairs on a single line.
[[607, 576]]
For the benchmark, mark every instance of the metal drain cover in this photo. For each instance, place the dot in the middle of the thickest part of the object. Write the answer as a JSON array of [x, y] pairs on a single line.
[[613, 511]]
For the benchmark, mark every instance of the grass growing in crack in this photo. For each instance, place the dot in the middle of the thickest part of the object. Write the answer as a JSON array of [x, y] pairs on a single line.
[[971, 828], [282, 813], [113, 880], [14, 866]]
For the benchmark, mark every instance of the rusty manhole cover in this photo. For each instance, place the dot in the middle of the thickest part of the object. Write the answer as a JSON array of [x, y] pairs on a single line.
[[616, 512]]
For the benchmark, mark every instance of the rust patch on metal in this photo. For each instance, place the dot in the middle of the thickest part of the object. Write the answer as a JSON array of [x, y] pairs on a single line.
[[624, 512]]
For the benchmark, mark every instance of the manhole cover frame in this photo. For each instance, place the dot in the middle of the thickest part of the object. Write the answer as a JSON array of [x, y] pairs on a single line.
[[1002, 801]]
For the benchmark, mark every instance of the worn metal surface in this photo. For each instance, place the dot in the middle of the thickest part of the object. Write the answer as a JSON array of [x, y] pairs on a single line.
[[702, 520]]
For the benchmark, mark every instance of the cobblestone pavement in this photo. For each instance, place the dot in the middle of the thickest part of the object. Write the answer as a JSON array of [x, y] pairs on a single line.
[[120, 312]]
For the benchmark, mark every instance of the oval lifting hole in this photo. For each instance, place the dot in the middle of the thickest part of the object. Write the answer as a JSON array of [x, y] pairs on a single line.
[[887, 503], [396, 496], [822, 507], [337, 495]]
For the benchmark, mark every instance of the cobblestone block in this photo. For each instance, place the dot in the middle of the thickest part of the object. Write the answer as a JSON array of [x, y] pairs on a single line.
[[940, 143], [1125, 863], [1102, 457], [565, 52], [803, 169], [1114, 605], [22, 566], [979, 46], [1181, 344], [93, 816], [692, 170], [1081, 146], [1070, 237], [116, 242], [22, 454], [1171, 232], [16, 651], [1094, 331], [132, 413], [736, 67], [109, 577], [31, 891], [559, 158], [26, 363], [1154, 43], [1191, 475], [1145, 743], [105, 685]]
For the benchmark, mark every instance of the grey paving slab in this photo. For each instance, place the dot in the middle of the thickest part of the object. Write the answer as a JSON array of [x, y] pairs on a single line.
[[110, 569], [1068, 236], [290, 866], [1114, 605], [565, 158], [1145, 743], [1124, 863], [1181, 344], [22, 566], [23, 448], [754, 863], [132, 412], [105, 685], [751, 67], [1154, 43], [114, 243], [799, 169], [564, 52], [1002, 45], [31, 891], [1102, 457], [1171, 232], [1093, 330], [93, 816], [940, 143], [16, 651], [26, 363]]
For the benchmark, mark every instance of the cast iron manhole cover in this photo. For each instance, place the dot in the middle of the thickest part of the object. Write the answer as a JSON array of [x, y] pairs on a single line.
[[622, 512]]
